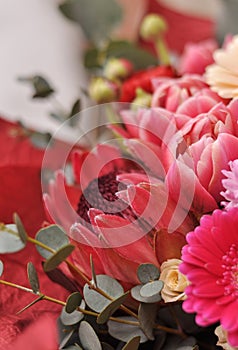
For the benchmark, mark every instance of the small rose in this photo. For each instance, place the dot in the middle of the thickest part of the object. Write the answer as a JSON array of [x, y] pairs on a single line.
[[174, 281], [222, 339]]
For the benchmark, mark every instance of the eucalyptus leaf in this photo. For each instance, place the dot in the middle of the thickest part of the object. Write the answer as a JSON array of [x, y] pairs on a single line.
[[109, 285], [96, 18], [52, 236], [73, 347], [72, 318], [1, 268], [175, 342], [135, 293], [106, 346], [41, 86], [147, 273], [132, 344], [151, 289], [109, 310], [58, 257], [147, 315], [40, 140], [72, 302], [140, 58], [88, 337], [20, 228], [66, 339], [33, 277], [125, 332], [10, 242]]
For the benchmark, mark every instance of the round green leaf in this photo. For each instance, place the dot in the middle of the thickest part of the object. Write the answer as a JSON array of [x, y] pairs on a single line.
[[125, 332], [109, 285], [132, 344], [147, 273], [72, 318], [1, 268], [111, 308], [147, 315], [58, 257], [66, 339], [20, 228], [151, 289], [88, 337], [135, 293], [52, 236], [10, 241], [72, 302], [33, 277]]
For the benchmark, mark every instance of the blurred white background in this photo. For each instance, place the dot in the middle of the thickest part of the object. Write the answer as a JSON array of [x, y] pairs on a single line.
[[36, 38]]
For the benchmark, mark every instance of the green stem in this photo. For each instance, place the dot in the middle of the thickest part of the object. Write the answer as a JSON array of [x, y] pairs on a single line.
[[162, 51]]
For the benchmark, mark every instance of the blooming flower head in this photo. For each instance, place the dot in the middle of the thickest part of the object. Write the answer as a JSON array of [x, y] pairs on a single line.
[[174, 281], [222, 75], [231, 185], [210, 262], [197, 56]]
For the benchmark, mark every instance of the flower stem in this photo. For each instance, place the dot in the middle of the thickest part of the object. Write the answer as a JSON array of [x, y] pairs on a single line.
[[162, 51]]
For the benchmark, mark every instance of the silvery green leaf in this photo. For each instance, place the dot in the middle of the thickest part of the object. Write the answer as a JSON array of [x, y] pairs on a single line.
[[20, 228], [109, 310], [132, 344], [109, 285], [151, 289], [96, 18], [58, 257], [66, 339], [10, 242], [135, 293], [148, 273], [175, 342], [147, 315], [125, 332], [72, 302], [72, 318], [54, 237], [88, 337], [33, 277]]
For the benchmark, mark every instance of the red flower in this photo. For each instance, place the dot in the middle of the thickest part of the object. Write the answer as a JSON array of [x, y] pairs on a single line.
[[142, 79]]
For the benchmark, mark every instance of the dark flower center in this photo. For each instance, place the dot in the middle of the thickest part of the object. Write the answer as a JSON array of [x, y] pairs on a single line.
[[100, 194]]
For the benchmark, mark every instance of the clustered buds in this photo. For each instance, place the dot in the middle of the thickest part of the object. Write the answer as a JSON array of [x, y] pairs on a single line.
[[118, 69], [102, 90], [152, 27]]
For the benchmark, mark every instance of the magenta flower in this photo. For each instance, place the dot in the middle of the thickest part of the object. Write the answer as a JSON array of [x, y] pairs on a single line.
[[231, 185], [210, 262]]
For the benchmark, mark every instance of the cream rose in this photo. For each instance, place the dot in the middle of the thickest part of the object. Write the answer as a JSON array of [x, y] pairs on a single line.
[[174, 281], [222, 339]]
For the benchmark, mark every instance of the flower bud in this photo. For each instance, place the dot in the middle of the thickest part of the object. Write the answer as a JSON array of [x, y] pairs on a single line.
[[152, 27], [142, 99], [118, 68], [102, 90]]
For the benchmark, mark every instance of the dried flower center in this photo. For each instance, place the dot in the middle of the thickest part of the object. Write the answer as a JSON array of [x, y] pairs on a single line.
[[230, 274], [100, 194]]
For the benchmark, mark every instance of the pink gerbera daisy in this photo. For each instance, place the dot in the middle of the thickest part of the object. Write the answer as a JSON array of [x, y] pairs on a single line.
[[210, 262], [231, 185]]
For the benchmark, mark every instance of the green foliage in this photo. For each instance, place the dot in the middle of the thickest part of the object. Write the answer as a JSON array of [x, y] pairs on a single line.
[[88, 337], [58, 257], [10, 241], [109, 310], [40, 85], [33, 277], [96, 18]]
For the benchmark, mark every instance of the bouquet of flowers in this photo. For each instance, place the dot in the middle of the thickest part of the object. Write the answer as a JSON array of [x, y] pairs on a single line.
[[139, 238]]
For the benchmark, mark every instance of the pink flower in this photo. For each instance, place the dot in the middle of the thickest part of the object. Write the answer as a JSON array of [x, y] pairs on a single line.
[[123, 214], [210, 158], [219, 119], [197, 56], [172, 93], [210, 261], [231, 185]]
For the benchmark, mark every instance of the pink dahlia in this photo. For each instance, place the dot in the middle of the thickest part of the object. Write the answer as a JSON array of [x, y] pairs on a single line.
[[231, 185], [210, 262], [173, 93]]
